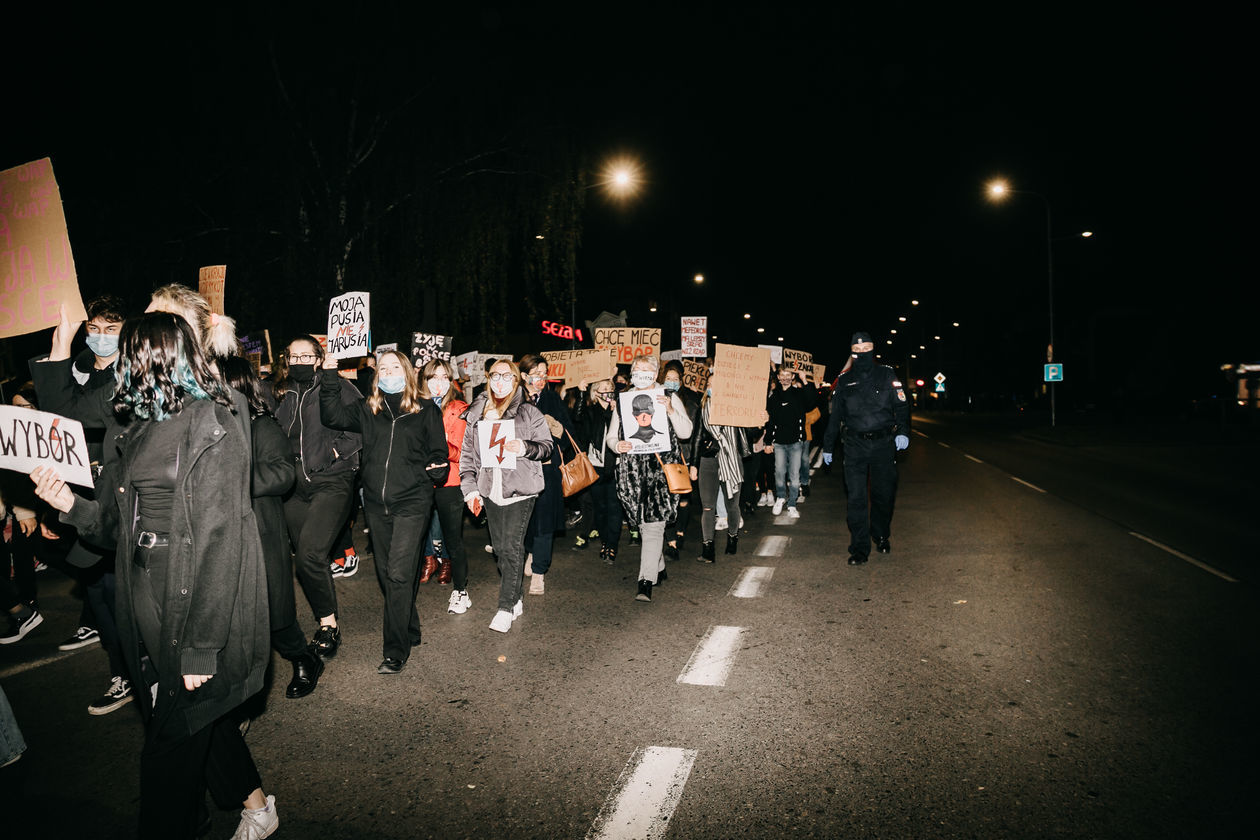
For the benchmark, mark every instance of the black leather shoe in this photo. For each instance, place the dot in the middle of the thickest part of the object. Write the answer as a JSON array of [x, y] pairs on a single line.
[[306, 671], [856, 560], [390, 666], [882, 546], [671, 551], [327, 640], [415, 639], [732, 543], [706, 552], [645, 591], [661, 577]]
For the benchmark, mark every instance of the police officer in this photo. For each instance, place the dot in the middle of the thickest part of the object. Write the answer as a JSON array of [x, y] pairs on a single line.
[[869, 409]]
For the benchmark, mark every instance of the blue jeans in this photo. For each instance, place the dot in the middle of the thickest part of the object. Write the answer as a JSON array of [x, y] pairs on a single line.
[[787, 470], [11, 743]]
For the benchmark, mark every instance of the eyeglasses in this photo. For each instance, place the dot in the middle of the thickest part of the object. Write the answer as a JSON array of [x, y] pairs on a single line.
[[603, 394], [502, 377], [302, 358]]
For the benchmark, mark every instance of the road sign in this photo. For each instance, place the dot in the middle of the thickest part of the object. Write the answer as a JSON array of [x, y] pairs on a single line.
[[940, 387], [939, 378], [1054, 373]]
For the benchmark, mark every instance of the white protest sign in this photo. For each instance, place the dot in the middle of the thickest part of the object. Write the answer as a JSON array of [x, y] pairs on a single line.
[[349, 326], [644, 422], [671, 356], [695, 336], [491, 435], [776, 352], [385, 348], [30, 439]]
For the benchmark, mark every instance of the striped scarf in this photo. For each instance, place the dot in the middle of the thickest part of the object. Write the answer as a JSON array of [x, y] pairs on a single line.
[[730, 465]]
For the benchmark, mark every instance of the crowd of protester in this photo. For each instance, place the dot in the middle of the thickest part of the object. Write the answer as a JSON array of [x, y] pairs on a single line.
[[220, 482]]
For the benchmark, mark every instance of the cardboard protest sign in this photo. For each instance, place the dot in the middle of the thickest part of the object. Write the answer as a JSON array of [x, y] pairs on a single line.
[[36, 266], [671, 356], [740, 383], [695, 375], [629, 342], [799, 360], [256, 344], [776, 353], [426, 346], [820, 374], [385, 348], [491, 435], [349, 326], [30, 439], [210, 282], [472, 366], [643, 421], [323, 341], [695, 336], [573, 366]]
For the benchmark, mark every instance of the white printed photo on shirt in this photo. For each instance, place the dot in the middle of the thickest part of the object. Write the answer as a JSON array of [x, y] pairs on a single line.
[[644, 421], [491, 437]]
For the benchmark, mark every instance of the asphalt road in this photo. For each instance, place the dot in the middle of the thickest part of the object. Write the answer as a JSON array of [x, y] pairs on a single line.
[[1020, 666]]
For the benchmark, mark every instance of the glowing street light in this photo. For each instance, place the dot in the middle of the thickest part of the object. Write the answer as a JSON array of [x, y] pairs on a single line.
[[699, 279]]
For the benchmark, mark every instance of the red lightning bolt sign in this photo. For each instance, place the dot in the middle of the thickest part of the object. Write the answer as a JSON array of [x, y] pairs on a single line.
[[495, 440]]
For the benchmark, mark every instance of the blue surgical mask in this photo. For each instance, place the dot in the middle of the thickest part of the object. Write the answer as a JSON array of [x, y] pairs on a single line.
[[672, 386], [391, 384], [102, 345]]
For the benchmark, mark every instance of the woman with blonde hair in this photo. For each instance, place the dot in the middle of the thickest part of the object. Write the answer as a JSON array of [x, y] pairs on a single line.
[[217, 333], [404, 456], [436, 383], [508, 494]]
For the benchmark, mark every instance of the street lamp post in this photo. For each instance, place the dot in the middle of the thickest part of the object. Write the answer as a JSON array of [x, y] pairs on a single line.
[[999, 190]]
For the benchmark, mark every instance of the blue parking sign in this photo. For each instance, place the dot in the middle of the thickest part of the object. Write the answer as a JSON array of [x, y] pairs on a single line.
[[1054, 373]]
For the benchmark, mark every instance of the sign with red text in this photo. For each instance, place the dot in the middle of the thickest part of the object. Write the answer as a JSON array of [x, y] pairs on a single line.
[[695, 375], [695, 336], [30, 439], [350, 326], [492, 435], [629, 342], [561, 330], [472, 366], [210, 282], [740, 383], [36, 267], [574, 366], [798, 360]]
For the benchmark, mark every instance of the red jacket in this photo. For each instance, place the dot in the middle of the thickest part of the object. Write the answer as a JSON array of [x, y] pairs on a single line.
[[453, 422]]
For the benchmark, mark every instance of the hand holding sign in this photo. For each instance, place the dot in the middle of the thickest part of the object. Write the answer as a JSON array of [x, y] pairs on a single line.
[[52, 489]]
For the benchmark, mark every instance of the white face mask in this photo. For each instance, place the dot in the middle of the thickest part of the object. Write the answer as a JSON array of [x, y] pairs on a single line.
[[439, 387], [642, 379], [501, 388]]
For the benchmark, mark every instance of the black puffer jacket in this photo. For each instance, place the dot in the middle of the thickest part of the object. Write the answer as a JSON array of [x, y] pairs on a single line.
[[323, 450], [397, 448]]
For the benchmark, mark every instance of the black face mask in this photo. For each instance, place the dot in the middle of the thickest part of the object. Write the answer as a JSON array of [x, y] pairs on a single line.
[[864, 362], [303, 374]]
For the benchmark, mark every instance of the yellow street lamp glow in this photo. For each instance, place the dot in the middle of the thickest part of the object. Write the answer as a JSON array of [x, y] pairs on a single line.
[[761, 329], [747, 315], [955, 323], [998, 189], [622, 177], [914, 303], [901, 318], [699, 278], [1086, 234], [894, 332]]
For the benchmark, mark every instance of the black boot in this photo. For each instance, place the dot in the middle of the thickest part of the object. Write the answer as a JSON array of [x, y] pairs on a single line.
[[732, 543], [706, 552], [306, 671]]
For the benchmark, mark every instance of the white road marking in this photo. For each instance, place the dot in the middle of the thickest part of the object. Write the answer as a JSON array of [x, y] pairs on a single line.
[[752, 582], [772, 546], [1026, 484], [974, 458], [784, 519], [920, 434], [711, 662], [943, 443], [644, 796], [23, 667], [1175, 553]]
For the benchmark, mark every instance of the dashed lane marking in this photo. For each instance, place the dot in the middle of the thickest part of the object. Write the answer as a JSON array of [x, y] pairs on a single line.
[[644, 796], [920, 434], [23, 667], [944, 444], [1175, 553], [711, 662], [1027, 484], [785, 519], [752, 582], [772, 546], [974, 458]]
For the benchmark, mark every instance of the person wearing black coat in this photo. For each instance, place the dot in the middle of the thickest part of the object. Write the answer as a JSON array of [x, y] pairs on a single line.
[[594, 415], [716, 455], [548, 515], [404, 456]]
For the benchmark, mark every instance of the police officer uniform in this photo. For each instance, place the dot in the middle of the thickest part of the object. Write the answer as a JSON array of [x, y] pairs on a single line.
[[870, 413]]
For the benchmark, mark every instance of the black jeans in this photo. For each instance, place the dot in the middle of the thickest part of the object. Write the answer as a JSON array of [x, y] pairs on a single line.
[[396, 551], [449, 504], [508, 524], [315, 513], [878, 460], [608, 512]]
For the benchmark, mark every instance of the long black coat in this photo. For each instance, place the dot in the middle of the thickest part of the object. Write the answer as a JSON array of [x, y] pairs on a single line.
[[214, 608]]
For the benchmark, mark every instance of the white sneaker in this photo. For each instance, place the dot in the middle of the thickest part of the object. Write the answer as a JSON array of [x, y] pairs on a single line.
[[460, 602], [518, 609], [778, 507], [256, 825], [502, 621], [529, 565], [794, 513], [800, 498], [765, 500], [536, 585], [721, 523]]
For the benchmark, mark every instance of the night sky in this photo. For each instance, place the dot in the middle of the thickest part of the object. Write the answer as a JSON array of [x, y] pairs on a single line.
[[821, 169]]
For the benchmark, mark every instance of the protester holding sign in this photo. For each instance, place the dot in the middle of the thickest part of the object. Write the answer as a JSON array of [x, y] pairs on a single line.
[[672, 375], [717, 457], [548, 515], [437, 383], [641, 484], [327, 460], [216, 333], [192, 582], [404, 455], [508, 495]]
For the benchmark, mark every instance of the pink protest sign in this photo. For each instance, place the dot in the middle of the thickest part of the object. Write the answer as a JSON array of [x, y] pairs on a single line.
[[36, 266]]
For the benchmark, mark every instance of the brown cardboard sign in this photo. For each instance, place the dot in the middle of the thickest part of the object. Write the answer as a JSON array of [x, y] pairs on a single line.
[[210, 282], [740, 383], [573, 366], [36, 267]]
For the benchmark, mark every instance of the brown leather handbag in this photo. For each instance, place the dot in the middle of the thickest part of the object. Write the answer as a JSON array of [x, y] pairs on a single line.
[[677, 476], [577, 473]]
